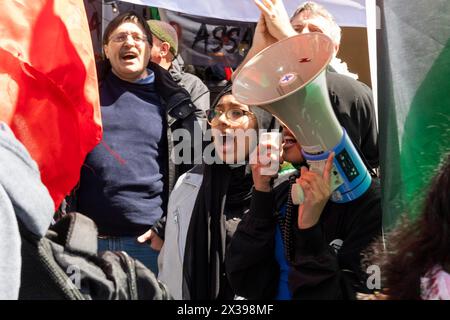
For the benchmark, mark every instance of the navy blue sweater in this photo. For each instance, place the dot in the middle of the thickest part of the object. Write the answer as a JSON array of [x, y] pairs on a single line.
[[122, 185]]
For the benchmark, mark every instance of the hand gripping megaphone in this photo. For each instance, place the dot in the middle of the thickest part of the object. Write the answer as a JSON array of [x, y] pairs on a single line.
[[287, 79]]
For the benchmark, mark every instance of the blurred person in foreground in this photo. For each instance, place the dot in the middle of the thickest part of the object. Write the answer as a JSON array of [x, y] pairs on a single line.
[[414, 259]]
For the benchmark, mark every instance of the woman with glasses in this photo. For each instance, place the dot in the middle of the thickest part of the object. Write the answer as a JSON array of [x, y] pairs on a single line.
[[208, 202], [124, 181]]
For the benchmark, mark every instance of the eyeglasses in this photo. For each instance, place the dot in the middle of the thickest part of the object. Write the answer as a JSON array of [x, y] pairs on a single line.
[[123, 36], [234, 116]]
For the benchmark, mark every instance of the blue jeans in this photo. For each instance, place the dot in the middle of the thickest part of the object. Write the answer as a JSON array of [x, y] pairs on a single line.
[[142, 252]]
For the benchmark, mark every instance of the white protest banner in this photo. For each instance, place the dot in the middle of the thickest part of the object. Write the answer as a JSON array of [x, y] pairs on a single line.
[[349, 13]]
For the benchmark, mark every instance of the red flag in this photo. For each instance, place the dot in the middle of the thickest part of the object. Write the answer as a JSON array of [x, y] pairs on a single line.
[[48, 86]]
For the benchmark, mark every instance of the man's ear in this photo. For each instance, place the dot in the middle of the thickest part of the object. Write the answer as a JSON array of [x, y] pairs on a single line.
[[106, 51], [336, 49], [164, 49]]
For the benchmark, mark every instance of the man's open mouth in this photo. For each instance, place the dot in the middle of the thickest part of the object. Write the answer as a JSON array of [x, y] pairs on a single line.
[[128, 56]]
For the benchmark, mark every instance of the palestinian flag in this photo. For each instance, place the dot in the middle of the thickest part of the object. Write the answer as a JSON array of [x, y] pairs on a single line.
[[414, 100], [48, 86]]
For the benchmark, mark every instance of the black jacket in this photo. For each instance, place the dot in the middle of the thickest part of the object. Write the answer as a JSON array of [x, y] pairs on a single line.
[[318, 271], [352, 103]]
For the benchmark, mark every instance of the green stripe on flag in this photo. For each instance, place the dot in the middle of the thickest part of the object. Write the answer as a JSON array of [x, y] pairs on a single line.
[[414, 100], [427, 128]]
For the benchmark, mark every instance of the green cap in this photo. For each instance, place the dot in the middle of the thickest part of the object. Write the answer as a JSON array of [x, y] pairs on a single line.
[[166, 33]]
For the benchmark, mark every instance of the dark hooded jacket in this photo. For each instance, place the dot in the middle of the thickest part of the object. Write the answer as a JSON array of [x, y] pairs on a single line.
[[197, 89]]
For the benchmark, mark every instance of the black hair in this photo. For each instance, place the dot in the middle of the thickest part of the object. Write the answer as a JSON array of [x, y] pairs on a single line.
[[104, 66], [415, 247]]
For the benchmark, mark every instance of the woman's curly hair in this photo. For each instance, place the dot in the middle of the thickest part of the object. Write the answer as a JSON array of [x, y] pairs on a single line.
[[414, 247]]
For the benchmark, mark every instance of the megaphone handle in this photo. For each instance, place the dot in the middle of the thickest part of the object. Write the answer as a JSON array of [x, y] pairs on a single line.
[[297, 194]]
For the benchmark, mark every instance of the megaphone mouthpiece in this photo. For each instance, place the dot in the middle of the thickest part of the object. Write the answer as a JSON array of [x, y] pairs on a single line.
[[288, 83]]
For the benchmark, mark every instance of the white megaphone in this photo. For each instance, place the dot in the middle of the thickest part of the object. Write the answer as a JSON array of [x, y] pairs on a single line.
[[287, 79]]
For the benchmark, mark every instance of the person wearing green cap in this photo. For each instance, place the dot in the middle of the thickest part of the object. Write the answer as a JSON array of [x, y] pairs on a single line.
[[165, 53]]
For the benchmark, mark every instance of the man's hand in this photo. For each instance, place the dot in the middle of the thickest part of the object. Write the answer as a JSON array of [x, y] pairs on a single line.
[[276, 18], [262, 37], [273, 25], [156, 242], [316, 189], [261, 40]]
